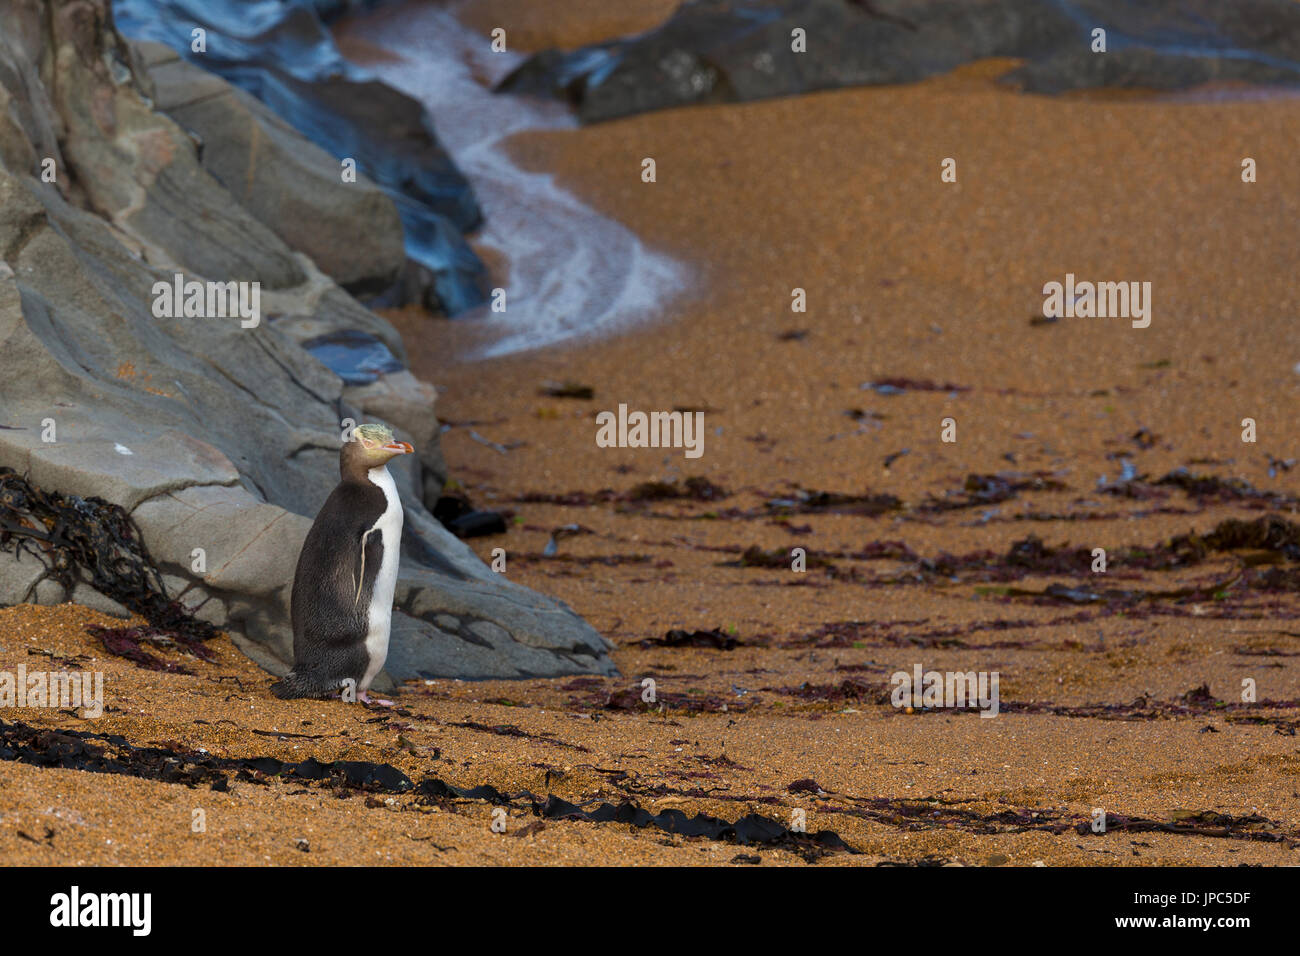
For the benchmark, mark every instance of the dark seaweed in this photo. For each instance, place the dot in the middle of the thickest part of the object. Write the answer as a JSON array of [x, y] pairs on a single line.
[[695, 488], [715, 638], [983, 490], [750, 829], [566, 390], [71, 535], [823, 502]]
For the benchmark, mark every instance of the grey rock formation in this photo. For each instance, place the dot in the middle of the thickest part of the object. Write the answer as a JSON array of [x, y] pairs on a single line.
[[350, 230], [283, 54], [221, 440], [713, 51]]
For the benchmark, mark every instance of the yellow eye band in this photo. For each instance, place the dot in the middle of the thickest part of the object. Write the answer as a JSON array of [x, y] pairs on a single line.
[[375, 433]]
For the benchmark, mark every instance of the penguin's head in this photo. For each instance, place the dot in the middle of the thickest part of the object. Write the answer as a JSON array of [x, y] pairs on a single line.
[[372, 446]]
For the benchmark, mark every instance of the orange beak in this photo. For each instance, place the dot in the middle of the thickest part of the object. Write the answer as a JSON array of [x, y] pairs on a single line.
[[400, 447]]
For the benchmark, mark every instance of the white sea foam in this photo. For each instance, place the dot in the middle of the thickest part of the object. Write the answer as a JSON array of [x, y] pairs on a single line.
[[572, 271]]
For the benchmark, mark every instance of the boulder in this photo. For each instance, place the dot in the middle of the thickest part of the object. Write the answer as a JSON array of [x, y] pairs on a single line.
[[351, 230], [713, 51]]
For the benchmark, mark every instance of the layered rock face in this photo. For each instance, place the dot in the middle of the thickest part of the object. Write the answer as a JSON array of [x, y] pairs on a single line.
[[713, 51], [282, 54], [219, 434], [264, 163]]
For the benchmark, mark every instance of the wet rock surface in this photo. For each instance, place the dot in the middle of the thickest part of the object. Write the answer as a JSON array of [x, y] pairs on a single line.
[[284, 57]]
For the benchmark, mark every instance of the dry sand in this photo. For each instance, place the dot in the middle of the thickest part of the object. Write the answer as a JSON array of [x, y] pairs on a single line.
[[837, 193]]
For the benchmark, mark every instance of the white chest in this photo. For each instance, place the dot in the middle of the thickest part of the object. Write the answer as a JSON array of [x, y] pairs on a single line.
[[380, 612]]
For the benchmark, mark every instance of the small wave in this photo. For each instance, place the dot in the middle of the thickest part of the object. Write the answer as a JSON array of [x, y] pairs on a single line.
[[573, 273]]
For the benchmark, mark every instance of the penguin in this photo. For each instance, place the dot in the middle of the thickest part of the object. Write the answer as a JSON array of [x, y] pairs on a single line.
[[342, 601]]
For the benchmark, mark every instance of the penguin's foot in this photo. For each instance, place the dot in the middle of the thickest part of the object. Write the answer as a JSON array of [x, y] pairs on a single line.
[[365, 699]]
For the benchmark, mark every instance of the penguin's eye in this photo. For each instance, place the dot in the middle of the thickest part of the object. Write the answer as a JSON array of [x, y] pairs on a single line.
[[368, 443]]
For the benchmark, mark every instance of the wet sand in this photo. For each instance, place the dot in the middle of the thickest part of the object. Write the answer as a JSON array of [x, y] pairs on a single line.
[[839, 194], [530, 26]]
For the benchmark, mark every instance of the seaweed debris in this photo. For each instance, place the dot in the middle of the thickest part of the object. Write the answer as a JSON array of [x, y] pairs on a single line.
[[751, 829], [714, 637], [90, 539]]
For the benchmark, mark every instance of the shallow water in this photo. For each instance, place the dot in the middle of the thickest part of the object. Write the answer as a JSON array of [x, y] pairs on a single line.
[[356, 357], [572, 272]]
